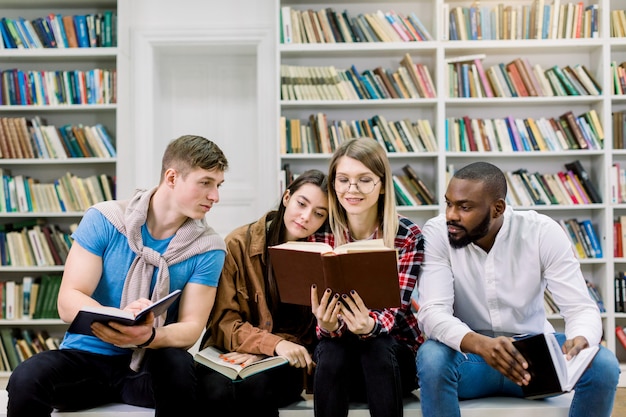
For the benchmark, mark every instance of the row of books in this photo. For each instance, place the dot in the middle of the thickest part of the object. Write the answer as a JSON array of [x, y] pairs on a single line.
[[410, 190], [562, 188], [618, 75], [509, 134], [70, 193], [620, 292], [328, 26], [619, 236], [60, 31], [410, 80], [39, 245], [467, 78], [32, 138], [30, 298], [618, 24], [552, 308], [19, 87], [528, 21], [320, 135], [583, 237], [20, 344]]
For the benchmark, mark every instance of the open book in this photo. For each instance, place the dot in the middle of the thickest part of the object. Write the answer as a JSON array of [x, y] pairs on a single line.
[[366, 266], [89, 314], [210, 357], [550, 372]]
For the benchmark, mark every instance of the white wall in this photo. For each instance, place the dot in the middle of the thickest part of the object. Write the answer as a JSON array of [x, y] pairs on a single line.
[[207, 68]]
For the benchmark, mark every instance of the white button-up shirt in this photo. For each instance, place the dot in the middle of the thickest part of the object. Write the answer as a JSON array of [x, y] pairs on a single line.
[[501, 292]]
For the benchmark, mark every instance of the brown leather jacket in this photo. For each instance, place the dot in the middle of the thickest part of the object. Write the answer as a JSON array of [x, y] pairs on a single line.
[[241, 319]]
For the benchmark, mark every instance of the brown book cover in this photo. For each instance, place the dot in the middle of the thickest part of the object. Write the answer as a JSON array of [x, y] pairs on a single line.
[[14, 145], [4, 145], [25, 137], [70, 31], [578, 134], [366, 266], [527, 78], [386, 81], [518, 81]]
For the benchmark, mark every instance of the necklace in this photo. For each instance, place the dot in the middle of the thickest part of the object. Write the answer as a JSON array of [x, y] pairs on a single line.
[[374, 235]]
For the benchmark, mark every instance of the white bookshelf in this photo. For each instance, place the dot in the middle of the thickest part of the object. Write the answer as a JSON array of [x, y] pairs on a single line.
[[596, 54], [48, 170]]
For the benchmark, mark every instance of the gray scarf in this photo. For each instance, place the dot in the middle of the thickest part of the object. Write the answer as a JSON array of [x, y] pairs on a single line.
[[192, 238]]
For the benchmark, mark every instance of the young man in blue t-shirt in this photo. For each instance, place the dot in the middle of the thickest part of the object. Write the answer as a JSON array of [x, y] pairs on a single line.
[[128, 254]]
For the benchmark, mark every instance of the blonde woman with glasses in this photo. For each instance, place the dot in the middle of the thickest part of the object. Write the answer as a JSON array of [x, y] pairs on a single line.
[[366, 355]]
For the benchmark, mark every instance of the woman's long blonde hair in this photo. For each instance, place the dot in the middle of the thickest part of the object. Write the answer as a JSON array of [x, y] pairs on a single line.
[[369, 152]]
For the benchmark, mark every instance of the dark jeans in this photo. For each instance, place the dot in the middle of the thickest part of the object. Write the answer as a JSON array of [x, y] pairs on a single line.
[[73, 380], [259, 395], [378, 370]]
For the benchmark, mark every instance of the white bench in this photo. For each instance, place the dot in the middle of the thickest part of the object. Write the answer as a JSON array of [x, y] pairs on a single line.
[[486, 407]]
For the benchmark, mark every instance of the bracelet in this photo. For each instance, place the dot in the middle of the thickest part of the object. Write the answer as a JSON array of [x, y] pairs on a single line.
[[147, 342]]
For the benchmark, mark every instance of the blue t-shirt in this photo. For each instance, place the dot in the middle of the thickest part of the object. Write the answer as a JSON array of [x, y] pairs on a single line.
[[97, 235]]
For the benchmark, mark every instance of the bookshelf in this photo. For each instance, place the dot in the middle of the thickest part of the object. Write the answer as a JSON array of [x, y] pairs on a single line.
[[74, 112], [596, 53]]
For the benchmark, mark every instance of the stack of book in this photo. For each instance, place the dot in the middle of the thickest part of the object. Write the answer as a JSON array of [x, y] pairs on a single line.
[[584, 238], [410, 190], [22, 138], [34, 245], [26, 87], [320, 135], [330, 26], [409, 81], [469, 77], [538, 20], [60, 31], [572, 186], [509, 134]]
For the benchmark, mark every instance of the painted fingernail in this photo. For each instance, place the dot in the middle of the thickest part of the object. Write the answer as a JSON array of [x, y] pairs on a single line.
[[352, 291], [344, 295], [313, 286]]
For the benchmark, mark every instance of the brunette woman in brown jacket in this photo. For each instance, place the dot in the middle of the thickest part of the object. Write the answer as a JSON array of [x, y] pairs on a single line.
[[248, 319]]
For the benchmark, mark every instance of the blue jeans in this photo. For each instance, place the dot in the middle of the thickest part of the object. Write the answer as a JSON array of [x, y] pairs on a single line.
[[446, 376], [379, 370], [72, 380]]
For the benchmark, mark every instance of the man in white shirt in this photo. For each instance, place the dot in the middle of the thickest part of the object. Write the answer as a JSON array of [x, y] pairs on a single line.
[[485, 270]]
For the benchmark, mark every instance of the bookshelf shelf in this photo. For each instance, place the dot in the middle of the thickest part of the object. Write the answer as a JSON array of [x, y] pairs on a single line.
[[48, 170], [594, 53]]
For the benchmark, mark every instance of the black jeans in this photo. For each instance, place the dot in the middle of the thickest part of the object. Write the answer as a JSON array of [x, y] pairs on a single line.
[[74, 380], [378, 370], [259, 395]]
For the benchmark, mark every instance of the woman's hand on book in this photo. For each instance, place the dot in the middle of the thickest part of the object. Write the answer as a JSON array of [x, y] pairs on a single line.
[[326, 310], [356, 315], [296, 354], [242, 359]]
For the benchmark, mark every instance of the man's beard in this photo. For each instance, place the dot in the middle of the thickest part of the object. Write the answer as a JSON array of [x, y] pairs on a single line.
[[472, 236]]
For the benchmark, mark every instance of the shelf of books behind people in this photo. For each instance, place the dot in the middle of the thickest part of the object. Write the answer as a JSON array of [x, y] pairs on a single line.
[[460, 82], [58, 62]]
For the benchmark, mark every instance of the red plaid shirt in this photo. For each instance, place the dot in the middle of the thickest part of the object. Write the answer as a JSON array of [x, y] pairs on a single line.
[[401, 322]]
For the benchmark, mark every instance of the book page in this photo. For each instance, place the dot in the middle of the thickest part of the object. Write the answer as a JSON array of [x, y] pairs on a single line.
[[367, 245], [577, 365], [318, 247]]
